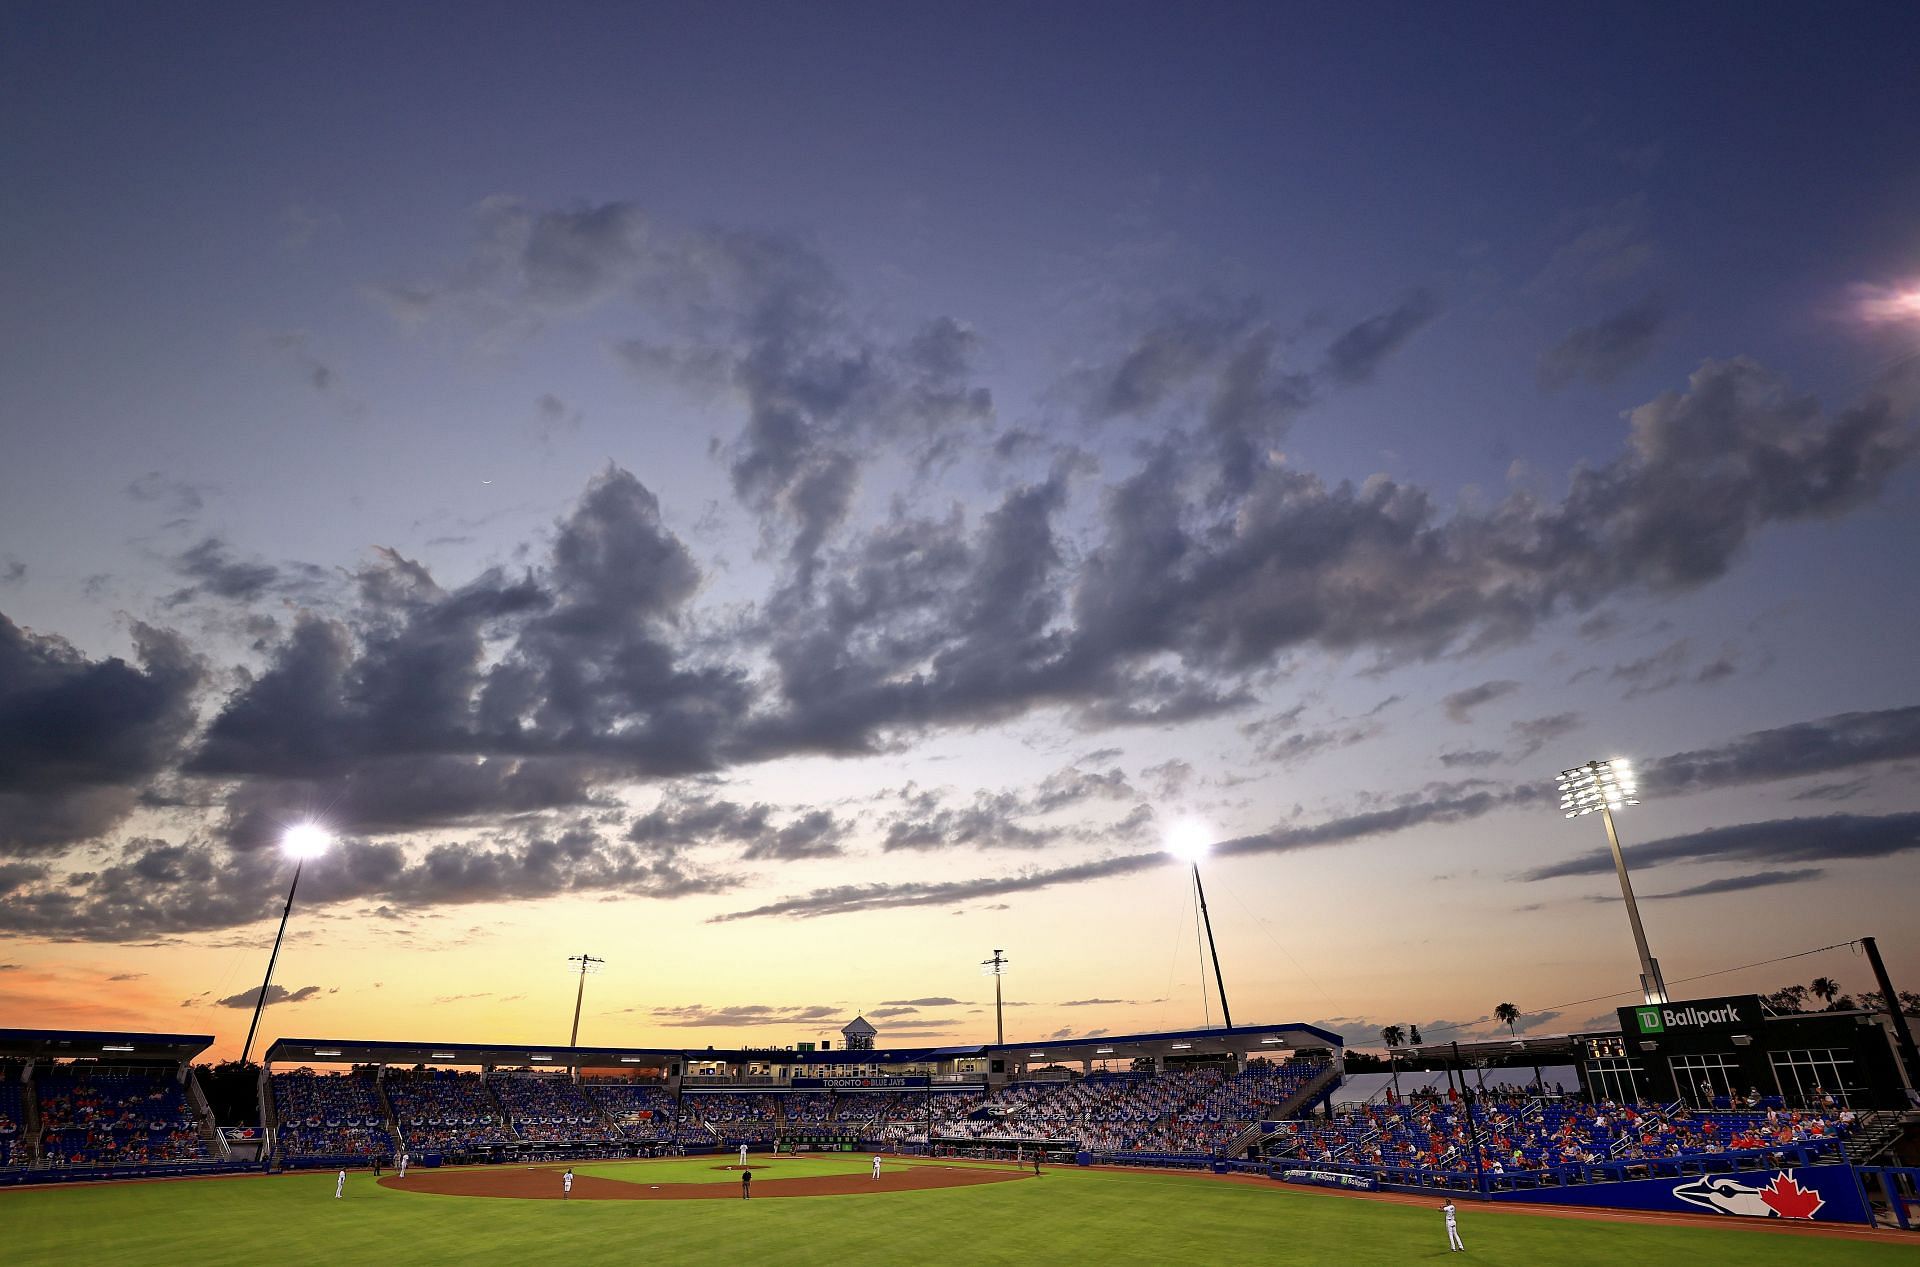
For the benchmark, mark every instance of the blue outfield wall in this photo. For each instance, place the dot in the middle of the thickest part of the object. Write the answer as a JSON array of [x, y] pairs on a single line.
[[1822, 1194]]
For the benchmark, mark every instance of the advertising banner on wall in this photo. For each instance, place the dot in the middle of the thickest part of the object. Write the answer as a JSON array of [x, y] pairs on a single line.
[[1820, 1194], [1693, 1016]]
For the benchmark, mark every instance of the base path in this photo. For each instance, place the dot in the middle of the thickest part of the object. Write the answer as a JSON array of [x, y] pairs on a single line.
[[542, 1183]]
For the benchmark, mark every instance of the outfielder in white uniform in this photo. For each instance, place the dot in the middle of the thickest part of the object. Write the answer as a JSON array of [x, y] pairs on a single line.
[[403, 1165], [566, 1185], [743, 1154], [340, 1185], [1453, 1229], [876, 1165]]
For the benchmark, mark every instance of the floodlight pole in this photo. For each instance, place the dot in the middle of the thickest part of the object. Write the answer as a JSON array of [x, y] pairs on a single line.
[[1220, 982], [260, 1004], [1652, 987], [999, 1026], [580, 994]]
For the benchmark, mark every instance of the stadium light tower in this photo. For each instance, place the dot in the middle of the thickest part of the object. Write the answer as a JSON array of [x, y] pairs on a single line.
[[1605, 786], [587, 964], [996, 968], [1192, 841], [301, 842]]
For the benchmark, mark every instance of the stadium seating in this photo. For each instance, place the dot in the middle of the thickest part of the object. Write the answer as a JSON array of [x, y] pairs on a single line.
[[445, 1112], [330, 1115], [14, 1150], [1518, 1135], [549, 1109], [116, 1117], [727, 1117], [643, 1111]]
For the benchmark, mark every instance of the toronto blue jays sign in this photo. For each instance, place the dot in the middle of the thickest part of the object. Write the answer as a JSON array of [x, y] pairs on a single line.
[[1819, 1194]]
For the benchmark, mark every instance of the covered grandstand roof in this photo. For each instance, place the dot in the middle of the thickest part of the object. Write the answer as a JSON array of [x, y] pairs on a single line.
[[102, 1045], [1240, 1039], [1246, 1039]]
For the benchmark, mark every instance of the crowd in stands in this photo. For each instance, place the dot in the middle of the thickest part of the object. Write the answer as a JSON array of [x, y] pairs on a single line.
[[445, 1112], [1197, 1111], [13, 1119], [1516, 1133], [641, 1110], [326, 1115], [908, 1117], [549, 1109], [728, 1116], [116, 1117]]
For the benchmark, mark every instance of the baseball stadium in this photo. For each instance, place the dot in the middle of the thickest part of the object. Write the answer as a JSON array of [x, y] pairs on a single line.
[[795, 546], [1238, 1143]]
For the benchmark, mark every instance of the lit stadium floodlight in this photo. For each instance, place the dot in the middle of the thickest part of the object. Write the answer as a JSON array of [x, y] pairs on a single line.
[[1191, 840], [1597, 785], [1607, 786], [300, 842]]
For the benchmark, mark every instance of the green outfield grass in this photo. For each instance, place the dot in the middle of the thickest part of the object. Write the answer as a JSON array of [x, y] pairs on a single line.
[[1067, 1216]]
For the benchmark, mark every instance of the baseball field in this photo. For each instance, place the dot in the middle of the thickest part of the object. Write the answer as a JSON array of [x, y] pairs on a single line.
[[829, 1211]]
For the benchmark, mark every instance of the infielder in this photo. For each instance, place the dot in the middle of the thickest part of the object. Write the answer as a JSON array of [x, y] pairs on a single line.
[[743, 1155], [403, 1165], [340, 1185], [566, 1185], [876, 1165], [1453, 1229]]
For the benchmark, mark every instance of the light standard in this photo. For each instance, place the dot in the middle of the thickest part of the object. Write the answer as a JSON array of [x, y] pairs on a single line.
[[1606, 786], [996, 968], [301, 842], [1191, 841], [587, 964]]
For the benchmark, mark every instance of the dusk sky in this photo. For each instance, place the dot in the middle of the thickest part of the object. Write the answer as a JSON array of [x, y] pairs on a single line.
[[790, 498]]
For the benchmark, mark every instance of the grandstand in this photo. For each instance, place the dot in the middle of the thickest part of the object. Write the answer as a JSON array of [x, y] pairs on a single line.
[[326, 1119]]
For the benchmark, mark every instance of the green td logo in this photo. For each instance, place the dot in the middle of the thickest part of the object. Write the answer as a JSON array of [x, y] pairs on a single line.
[[1650, 1020]]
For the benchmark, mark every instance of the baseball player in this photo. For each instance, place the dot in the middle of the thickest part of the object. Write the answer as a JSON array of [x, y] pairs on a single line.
[[743, 1155], [340, 1185], [566, 1185], [876, 1165], [403, 1164], [746, 1185], [1453, 1229]]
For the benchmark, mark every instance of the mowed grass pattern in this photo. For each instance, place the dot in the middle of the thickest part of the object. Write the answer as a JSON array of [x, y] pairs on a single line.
[[1066, 1216]]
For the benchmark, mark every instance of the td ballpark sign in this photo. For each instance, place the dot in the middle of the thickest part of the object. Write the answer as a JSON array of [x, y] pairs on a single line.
[[1694, 1016]]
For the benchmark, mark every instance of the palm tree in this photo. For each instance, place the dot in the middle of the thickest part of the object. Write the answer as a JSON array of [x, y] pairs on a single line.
[[1392, 1035], [1823, 988], [1507, 1014], [1415, 1037]]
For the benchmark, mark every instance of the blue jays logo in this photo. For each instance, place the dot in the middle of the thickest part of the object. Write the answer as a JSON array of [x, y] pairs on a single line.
[[1784, 1198]]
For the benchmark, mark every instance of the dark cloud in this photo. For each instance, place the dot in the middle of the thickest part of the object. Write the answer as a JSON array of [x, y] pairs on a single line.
[[1460, 704], [1739, 883], [217, 573], [1537, 732], [1470, 759], [275, 994], [935, 1001], [1602, 352], [882, 1013], [1844, 741], [1104, 1002], [1782, 840], [1000, 820], [174, 496], [1359, 352], [150, 887], [1438, 805], [700, 1016], [79, 737]]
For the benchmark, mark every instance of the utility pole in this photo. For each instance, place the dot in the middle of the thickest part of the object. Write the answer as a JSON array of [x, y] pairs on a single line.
[[996, 967], [587, 964]]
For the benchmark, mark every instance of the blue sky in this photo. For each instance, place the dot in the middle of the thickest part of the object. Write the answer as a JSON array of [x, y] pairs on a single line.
[[855, 475]]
